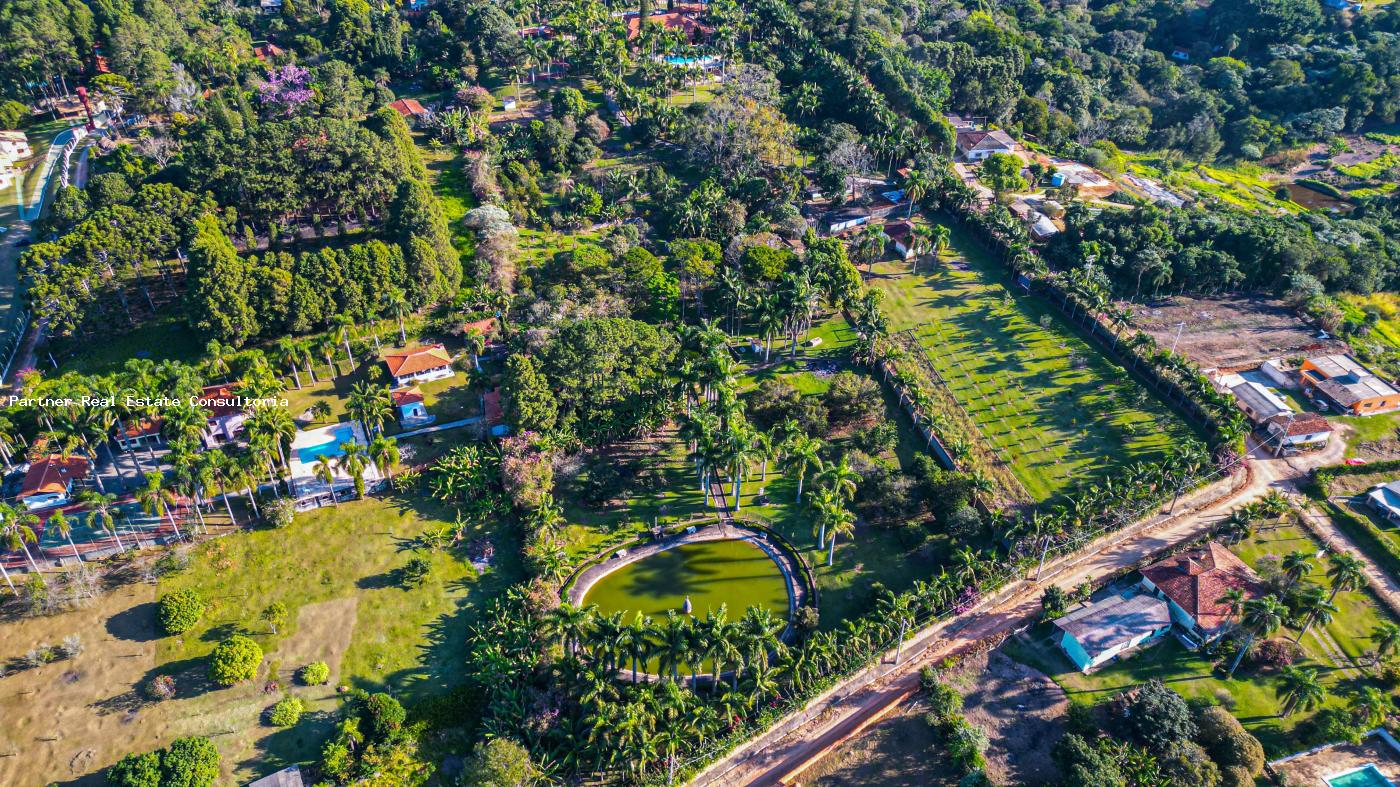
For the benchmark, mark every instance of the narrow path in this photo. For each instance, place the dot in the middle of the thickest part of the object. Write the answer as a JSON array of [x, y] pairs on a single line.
[[1382, 583]]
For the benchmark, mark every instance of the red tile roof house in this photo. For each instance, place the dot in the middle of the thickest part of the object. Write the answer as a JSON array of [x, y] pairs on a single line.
[[695, 32], [226, 413], [50, 480], [413, 410], [420, 365], [411, 110], [1193, 584]]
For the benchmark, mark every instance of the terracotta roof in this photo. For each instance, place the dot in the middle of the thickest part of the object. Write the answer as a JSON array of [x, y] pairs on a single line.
[[219, 400], [1305, 423], [406, 396], [972, 140], [898, 230], [491, 407], [415, 361], [52, 474], [673, 20], [144, 428], [267, 51], [486, 326], [408, 107], [1196, 581]]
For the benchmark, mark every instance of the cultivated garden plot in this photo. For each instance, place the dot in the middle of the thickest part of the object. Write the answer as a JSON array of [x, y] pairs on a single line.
[[1050, 405]]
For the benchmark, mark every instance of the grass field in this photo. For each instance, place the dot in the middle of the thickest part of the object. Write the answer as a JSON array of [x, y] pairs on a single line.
[[1050, 403], [1241, 186], [333, 568], [1333, 648]]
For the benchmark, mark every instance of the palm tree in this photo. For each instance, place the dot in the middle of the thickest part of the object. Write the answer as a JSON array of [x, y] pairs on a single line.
[[156, 500], [324, 471], [62, 526], [869, 245], [922, 239], [942, 236], [803, 453], [476, 345], [1262, 617], [343, 330], [1233, 601], [289, 352], [353, 462], [917, 185], [384, 454], [100, 507], [1296, 565], [1370, 705], [17, 533], [674, 641], [396, 306], [898, 607], [1300, 688], [824, 501], [569, 622], [1315, 607], [1387, 636], [1346, 572], [842, 523], [841, 478]]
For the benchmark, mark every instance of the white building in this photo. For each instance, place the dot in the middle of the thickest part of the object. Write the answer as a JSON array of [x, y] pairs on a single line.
[[1258, 402]]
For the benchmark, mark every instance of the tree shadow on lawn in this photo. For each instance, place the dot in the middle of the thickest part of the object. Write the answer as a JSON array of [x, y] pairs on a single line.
[[441, 666], [135, 624], [296, 745], [221, 632], [191, 680]]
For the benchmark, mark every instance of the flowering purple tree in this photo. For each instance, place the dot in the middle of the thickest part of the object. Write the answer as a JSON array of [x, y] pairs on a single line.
[[286, 89]]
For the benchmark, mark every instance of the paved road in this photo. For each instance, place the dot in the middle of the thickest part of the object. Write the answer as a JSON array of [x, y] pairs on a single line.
[[780, 756]]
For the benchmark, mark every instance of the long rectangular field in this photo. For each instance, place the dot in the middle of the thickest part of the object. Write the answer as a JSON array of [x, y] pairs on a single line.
[[1053, 407]]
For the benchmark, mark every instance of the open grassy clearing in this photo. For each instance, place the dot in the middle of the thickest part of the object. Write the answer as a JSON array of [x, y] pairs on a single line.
[[1055, 408], [1333, 648], [1244, 186], [334, 569]]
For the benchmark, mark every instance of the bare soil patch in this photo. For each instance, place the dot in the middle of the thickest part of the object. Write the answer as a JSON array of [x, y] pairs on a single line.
[[1019, 707], [1022, 711], [1230, 331]]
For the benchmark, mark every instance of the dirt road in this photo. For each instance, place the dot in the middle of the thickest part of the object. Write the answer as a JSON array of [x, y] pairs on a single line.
[[782, 754]]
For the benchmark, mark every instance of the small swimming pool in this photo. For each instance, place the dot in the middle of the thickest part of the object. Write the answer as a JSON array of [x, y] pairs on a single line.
[[331, 448], [1367, 775]]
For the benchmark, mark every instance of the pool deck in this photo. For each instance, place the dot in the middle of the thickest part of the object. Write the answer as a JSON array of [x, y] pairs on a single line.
[[312, 491], [1315, 766]]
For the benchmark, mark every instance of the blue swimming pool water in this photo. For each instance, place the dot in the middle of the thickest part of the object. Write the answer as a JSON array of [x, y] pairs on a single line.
[[331, 448], [1368, 776]]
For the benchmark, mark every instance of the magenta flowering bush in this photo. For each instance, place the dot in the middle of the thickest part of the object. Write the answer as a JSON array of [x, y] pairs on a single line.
[[286, 88]]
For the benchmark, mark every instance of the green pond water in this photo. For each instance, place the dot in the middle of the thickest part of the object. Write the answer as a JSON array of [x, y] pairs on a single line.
[[734, 573]]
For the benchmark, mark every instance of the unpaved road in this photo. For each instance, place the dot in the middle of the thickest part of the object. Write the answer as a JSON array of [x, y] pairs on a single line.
[[779, 756]]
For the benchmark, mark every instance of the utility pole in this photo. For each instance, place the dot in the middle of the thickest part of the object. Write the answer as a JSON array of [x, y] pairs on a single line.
[[1179, 327]]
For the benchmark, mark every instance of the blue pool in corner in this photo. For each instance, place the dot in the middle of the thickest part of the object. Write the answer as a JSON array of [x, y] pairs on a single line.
[[331, 448]]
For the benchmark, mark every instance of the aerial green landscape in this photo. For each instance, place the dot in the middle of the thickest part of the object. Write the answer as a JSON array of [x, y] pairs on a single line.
[[468, 393]]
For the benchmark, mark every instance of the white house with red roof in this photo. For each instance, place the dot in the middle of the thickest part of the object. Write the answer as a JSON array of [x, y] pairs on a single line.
[[418, 365], [412, 409], [226, 413], [1194, 584], [49, 481]]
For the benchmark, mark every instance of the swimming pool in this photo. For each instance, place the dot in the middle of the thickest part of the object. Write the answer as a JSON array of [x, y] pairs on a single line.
[[331, 448], [1367, 775]]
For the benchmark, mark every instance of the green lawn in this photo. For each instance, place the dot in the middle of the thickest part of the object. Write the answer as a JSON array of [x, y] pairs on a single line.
[[335, 570], [875, 555], [1332, 648], [1051, 404], [166, 338]]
